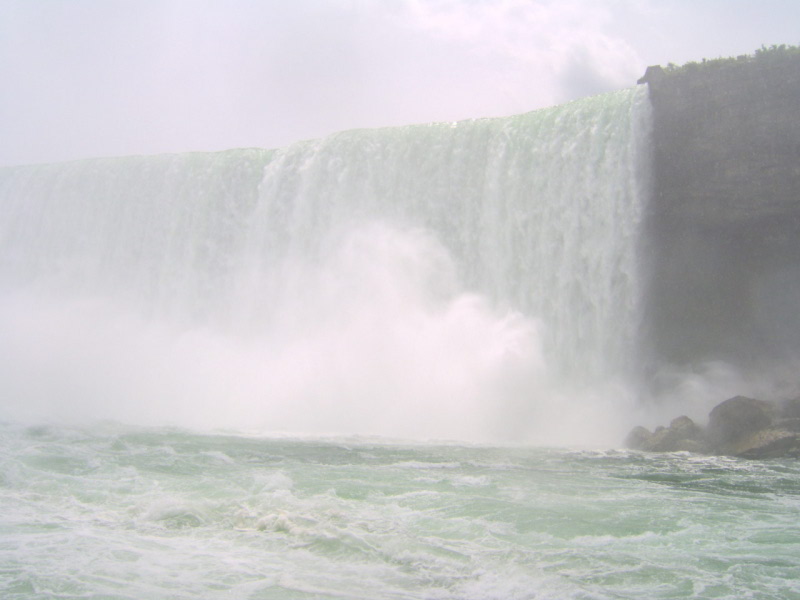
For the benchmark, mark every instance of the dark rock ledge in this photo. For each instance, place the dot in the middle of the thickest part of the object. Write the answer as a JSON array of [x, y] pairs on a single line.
[[740, 426]]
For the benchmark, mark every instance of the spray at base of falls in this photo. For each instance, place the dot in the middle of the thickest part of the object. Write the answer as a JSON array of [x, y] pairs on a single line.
[[474, 280]]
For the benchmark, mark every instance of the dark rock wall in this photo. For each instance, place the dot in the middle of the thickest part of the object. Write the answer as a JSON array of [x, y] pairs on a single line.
[[724, 224]]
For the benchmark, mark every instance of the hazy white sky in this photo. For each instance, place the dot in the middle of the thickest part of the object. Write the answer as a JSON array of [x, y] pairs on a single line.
[[81, 78]]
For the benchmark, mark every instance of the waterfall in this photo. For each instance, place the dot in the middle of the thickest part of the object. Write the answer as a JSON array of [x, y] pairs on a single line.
[[441, 247]]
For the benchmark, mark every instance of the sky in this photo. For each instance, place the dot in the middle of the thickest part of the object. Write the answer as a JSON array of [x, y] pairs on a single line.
[[87, 78]]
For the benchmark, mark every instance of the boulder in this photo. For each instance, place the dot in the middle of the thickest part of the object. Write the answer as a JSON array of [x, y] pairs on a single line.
[[684, 428], [736, 418], [681, 435], [790, 409], [638, 438], [769, 443]]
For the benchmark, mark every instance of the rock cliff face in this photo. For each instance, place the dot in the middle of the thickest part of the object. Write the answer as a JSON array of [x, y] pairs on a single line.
[[724, 224]]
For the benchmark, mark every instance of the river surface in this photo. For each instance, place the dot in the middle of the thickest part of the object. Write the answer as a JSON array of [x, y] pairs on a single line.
[[115, 512]]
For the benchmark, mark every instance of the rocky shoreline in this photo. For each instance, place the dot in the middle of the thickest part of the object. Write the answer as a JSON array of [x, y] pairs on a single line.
[[742, 427]]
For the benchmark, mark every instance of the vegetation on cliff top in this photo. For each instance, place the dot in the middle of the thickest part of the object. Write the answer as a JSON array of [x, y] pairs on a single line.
[[765, 55]]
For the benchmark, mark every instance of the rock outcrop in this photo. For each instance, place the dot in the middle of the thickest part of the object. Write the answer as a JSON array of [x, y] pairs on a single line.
[[740, 426], [681, 435], [736, 419]]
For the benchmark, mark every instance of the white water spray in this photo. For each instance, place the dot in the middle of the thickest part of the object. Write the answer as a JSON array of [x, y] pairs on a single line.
[[451, 280]]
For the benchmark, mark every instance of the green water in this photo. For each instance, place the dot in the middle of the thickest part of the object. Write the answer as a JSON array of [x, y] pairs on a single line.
[[112, 512]]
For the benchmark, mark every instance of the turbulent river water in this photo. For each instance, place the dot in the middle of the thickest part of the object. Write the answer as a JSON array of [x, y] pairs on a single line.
[[118, 513]]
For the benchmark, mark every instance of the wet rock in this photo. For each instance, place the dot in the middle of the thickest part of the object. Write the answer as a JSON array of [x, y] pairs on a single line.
[[788, 424], [638, 438], [686, 429], [769, 443], [682, 435], [736, 418], [790, 409], [740, 426]]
